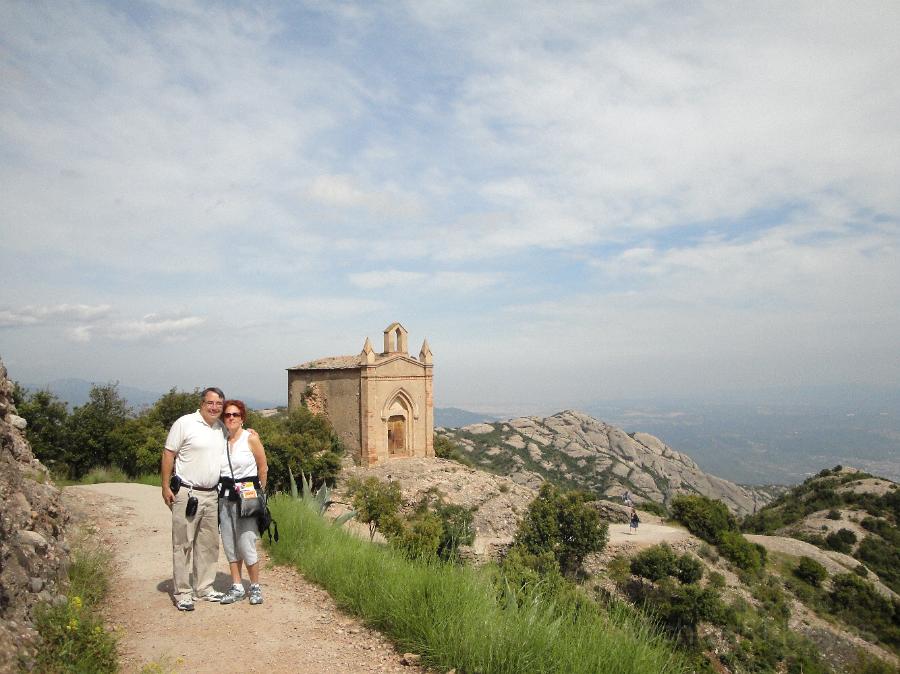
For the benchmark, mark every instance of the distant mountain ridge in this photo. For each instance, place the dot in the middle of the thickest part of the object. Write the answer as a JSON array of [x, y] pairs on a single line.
[[76, 392], [574, 449], [454, 417], [776, 442]]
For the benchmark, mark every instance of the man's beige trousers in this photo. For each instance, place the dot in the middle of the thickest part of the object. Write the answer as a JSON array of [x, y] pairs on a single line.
[[195, 544]]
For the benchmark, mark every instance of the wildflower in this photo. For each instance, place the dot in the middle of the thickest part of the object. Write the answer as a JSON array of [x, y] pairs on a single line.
[[76, 602]]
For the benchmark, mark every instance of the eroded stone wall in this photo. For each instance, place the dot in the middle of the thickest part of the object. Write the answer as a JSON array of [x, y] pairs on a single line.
[[33, 551]]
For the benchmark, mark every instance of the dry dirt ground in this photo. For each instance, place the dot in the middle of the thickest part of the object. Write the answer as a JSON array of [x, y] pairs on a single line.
[[296, 629]]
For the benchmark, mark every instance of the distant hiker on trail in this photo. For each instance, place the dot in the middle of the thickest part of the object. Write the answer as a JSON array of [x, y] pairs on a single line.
[[635, 520], [626, 497], [194, 449], [244, 463]]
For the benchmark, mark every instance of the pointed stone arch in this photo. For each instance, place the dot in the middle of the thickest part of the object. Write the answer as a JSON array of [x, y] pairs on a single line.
[[400, 394], [399, 416]]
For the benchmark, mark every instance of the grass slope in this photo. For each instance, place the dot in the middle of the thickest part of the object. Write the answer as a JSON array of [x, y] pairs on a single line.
[[454, 616]]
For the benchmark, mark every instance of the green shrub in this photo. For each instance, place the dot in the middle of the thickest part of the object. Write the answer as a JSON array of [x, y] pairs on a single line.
[[869, 664], [764, 640], [769, 593], [300, 443], [833, 515], [419, 536], [72, 634], [810, 571], [741, 552], [91, 430], [434, 529], [374, 501], [525, 578], [657, 509], [891, 534], [563, 524], [680, 607], [883, 558], [857, 602], [138, 443], [660, 561], [688, 569], [704, 517], [654, 563], [46, 431], [103, 475], [457, 528], [813, 539], [445, 448], [716, 580], [841, 540], [173, 405], [708, 552], [861, 571]]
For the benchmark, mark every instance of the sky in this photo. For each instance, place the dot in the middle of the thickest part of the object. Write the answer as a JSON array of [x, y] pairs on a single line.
[[572, 201]]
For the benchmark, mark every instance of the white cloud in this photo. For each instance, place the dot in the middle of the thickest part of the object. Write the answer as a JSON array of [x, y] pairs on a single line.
[[416, 282], [660, 120], [34, 315], [342, 191], [152, 326], [389, 277], [83, 323]]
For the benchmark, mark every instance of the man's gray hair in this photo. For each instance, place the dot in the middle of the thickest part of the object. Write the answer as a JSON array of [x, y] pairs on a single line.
[[215, 390]]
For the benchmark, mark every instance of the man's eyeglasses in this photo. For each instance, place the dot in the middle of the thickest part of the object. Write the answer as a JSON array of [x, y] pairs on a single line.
[[228, 415]]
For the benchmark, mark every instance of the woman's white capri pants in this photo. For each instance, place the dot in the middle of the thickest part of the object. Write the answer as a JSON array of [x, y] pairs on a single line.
[[239, 534]]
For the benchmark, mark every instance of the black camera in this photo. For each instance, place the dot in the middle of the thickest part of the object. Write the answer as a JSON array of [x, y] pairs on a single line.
[[191, 509], [174, 484]]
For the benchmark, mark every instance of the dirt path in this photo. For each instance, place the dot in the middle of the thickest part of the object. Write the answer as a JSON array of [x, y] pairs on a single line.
[[296, 629], [647, 534]]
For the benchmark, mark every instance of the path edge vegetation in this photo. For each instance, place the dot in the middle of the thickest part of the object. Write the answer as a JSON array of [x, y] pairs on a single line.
[[73, 635], [463, 617]]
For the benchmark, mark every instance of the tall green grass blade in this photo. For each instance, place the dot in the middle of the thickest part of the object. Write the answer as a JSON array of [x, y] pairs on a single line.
[[294, 494]]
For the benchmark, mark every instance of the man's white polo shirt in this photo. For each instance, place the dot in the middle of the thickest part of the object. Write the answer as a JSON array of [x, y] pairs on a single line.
[[199, 449]]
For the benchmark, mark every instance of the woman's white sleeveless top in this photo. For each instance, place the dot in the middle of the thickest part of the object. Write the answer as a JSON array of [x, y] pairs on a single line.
[[242, 459]]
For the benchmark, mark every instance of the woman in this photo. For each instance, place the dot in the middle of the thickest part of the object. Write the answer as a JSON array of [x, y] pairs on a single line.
[[239, 534], [635, 520]]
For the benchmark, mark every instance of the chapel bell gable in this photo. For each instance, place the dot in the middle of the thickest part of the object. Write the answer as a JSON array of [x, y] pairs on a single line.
[[395, 339], [380, 404]]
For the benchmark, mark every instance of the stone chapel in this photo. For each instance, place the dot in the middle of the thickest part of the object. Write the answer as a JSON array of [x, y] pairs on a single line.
[[380, 404]]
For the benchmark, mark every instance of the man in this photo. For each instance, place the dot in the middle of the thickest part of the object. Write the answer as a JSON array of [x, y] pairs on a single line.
[[195, 448]]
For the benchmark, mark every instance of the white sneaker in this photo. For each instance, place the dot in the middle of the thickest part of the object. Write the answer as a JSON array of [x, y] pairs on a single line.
[[236, 593], [212, 595]]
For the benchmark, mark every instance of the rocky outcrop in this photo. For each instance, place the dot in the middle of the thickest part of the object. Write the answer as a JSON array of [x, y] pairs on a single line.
[[33, 551], [574, 449], [498, 502]]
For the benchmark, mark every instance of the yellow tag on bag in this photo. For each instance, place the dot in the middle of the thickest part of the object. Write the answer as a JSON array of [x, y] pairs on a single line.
[[248, 490]]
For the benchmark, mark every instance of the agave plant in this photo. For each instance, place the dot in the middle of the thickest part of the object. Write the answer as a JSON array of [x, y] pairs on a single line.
[[320, 500]]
